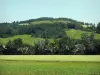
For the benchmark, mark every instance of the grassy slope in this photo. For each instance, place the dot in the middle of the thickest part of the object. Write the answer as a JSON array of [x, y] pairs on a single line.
[[26, 39], [29, 40], [77, 34]]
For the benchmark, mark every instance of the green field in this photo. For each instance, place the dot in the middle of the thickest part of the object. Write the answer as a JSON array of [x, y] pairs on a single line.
[[52, 57], [49, 65]]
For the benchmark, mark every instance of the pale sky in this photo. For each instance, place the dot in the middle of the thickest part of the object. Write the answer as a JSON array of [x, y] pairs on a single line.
[[81, 10]]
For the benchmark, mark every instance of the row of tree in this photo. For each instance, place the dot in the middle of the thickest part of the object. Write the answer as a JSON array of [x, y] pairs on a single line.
[[87, 45]]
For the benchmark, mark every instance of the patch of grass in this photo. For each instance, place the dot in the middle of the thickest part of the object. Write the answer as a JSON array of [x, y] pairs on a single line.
[[27, 39], [76, 34], [97, 36]]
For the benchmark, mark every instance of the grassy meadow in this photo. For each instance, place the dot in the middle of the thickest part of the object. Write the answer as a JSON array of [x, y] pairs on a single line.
[[49, 65], [26, 39], [76, 34]]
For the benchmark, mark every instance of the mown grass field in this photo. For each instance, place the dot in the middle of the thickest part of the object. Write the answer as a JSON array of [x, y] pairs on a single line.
[[49, 65], [51, 57]]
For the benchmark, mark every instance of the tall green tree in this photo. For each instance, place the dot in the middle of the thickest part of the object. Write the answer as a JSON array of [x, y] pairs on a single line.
[[1, 49], [79, 49], [88, 42], [98, 28]]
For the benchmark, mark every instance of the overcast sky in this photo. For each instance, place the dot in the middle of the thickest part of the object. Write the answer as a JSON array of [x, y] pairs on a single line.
[[81, 10]]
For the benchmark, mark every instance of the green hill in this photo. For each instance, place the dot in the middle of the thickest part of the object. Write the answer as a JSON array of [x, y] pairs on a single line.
[[72, 33]]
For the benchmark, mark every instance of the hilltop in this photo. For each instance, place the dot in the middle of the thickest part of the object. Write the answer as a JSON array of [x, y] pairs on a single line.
[[44, 27]]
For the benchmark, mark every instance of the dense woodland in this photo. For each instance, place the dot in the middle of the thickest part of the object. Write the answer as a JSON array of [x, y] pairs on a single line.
[[46, 28]]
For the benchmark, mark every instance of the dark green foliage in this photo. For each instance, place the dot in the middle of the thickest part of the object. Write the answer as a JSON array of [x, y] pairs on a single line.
[[43, 47], [66, 45], [26, 49], [88, 42], [97, 46], [79, 49], [17, 47], [1, 49], [98, 28], [12, 47]]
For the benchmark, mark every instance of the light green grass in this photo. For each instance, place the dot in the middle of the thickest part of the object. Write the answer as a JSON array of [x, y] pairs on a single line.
[[27, 39], [51, 57], [97, 36], [74, 66], [76, 34]]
